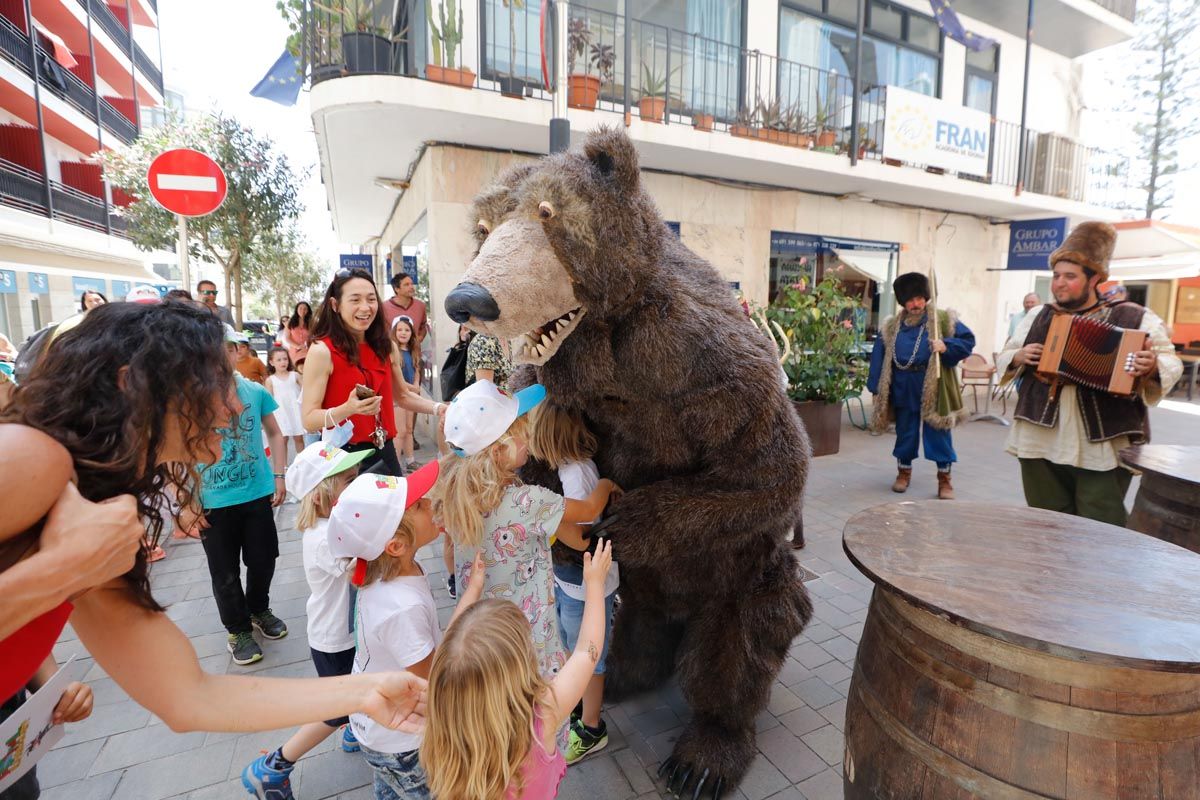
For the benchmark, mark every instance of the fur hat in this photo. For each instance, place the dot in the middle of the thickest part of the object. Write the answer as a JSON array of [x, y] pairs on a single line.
[[910, 285], [1089, 244]]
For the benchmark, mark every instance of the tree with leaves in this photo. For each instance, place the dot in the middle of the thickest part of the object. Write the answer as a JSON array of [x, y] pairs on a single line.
[[263, 195], [286, 271], [1164, 77]]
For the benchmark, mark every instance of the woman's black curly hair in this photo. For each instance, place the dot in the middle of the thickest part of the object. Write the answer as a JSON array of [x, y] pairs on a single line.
[[329, 322], [106, 389]]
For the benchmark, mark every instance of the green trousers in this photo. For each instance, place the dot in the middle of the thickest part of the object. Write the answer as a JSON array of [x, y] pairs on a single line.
[[1072, 490]]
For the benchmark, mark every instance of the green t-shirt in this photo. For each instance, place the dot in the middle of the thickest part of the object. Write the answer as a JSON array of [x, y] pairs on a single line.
[[243, 473]]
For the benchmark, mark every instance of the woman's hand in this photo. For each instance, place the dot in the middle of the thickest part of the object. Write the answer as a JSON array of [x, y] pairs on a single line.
[[397, 700], [353, 405], [74, 705], [92, 542]]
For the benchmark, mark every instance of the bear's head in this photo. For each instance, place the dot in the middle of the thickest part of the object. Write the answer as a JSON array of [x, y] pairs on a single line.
[[567, 241]]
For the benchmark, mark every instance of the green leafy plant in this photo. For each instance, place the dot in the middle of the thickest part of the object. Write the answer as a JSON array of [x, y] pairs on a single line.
[[360, 16], [579, 36], [513, 6], [448, 37], [603, 58], [654, 84], [819, 321]]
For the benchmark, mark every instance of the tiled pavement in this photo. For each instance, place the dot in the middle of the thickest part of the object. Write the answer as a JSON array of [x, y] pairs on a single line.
[[124, 752]]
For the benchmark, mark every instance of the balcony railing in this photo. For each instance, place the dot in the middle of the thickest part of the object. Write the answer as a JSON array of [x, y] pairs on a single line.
[[116, 123], [147, 67], [21, 188], [15, 45], [109, 23], [680, 78], [78, 207], [66, 85]]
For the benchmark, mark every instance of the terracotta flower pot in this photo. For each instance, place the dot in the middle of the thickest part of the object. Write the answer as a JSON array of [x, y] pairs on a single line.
[[583, 91], [651, 109], [743, 131], [702, 122], [826, 139], [461, 77]]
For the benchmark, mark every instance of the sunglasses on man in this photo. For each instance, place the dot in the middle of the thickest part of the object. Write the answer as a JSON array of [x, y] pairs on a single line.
[[209, 292]]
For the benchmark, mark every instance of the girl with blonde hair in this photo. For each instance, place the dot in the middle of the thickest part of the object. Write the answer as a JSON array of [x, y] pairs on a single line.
[[485, 506], [491, 728]]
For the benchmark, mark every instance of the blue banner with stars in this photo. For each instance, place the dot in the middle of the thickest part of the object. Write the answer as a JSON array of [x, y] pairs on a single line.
[[950, 24], [281, 84]]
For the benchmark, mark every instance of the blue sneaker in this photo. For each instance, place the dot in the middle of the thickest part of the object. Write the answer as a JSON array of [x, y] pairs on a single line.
[[266, 782], [350, 741]]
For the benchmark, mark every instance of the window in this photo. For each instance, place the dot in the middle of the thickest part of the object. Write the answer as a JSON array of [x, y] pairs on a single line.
[[900, 48], [511, 43], [979, 87]]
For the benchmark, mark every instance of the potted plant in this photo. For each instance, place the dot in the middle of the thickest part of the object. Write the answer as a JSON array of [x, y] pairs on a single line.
[[583, 88], [366, 45], [653, 103], [446, 41], [823, 137], [823, 367], [583, 91], [511, 85], [745, 124]]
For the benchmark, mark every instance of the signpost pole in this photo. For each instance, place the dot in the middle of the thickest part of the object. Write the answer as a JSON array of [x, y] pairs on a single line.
[[182, 247]]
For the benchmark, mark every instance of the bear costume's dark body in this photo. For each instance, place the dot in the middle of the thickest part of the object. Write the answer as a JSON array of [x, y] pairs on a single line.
[[684, 395]]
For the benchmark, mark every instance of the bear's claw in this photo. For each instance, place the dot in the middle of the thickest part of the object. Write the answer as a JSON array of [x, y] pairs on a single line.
[[683, 772]]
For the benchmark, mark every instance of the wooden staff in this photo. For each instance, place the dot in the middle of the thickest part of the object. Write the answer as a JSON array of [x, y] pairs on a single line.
[[936, 360]]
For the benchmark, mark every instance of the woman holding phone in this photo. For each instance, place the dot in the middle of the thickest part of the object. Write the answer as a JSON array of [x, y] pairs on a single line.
[[352, 374]]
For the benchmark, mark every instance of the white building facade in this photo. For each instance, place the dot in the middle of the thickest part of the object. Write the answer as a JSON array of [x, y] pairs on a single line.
[[743, 112]]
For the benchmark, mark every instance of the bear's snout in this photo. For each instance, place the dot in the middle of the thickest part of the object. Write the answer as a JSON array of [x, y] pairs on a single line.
[[469, 300]]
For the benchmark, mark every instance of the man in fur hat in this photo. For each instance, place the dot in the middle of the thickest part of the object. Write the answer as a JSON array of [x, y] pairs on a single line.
[[1068, 440], [925, 403]]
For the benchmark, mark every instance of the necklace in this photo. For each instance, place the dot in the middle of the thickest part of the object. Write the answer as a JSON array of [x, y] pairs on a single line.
[[916, 349]]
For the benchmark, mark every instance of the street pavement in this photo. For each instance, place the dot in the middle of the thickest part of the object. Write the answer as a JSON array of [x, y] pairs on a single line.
[[124, 752]]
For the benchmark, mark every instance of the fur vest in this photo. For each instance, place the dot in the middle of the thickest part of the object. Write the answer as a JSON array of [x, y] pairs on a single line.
[[940, 408], [1105, 416]]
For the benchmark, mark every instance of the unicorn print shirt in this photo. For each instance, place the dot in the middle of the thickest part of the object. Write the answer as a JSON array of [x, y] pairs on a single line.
[[516, 541]]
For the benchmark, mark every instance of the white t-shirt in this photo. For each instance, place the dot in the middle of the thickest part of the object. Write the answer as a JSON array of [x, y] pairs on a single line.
[[329, 604], [579, 479], [397, 626]]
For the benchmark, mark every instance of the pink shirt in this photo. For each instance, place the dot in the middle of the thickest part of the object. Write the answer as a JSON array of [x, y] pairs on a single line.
[[542, 771]]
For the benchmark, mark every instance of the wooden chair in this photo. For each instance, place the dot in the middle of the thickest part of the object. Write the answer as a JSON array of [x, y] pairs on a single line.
[[976, 373]]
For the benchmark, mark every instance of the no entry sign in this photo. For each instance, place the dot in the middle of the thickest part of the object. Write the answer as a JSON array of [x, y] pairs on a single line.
[[187, 182]]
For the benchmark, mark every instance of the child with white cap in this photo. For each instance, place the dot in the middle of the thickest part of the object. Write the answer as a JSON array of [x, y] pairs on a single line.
[[381, 522], [318, 476], [487, 509]]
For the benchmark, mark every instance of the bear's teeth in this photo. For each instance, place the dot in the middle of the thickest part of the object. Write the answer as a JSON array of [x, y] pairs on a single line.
[[537, 350], [571, 316], [545, 341]]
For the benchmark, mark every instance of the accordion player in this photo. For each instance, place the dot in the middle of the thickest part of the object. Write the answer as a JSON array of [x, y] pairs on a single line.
[[1092, 353]]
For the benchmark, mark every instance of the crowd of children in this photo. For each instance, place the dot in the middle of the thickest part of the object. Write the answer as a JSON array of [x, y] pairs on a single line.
[[508, 706]]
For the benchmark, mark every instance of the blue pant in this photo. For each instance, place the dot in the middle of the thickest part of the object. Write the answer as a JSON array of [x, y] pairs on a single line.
[[570, 613], [939, 447], [398, 776]]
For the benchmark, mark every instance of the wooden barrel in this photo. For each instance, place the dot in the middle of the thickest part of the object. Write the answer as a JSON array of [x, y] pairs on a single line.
[[1168, 501], [1016, 653]]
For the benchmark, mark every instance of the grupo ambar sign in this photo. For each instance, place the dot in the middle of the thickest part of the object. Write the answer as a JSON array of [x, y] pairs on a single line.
[[925, 130]]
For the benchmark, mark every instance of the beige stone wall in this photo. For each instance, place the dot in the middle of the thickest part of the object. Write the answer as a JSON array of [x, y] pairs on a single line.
[[729, 226]]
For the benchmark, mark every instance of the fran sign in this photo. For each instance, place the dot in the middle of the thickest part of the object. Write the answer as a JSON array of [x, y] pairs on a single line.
[[925, 130]]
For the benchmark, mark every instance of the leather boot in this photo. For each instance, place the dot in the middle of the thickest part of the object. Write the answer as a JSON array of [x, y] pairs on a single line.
[[903, 477], [945, 490]]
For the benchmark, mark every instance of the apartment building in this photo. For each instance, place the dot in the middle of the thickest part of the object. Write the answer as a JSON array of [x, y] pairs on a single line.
[[745, 119], [74, 75]]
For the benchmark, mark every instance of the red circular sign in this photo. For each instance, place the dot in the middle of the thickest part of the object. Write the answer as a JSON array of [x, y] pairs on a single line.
[[187, 182]]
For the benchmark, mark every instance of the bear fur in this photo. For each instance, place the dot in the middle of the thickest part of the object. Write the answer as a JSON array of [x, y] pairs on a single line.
[[683, 393]]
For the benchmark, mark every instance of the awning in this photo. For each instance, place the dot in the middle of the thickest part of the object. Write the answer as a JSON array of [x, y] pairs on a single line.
[[1162, 268], [871, 264], [62, 53], [1143, 238]]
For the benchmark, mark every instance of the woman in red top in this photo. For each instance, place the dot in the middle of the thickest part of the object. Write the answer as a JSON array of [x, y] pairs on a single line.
[[149, 389], [351, 348]]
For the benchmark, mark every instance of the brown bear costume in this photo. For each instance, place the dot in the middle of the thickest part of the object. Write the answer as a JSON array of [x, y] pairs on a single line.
[[623, 323]]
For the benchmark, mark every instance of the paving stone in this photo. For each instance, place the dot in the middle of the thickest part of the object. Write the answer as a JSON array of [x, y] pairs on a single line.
[[66, 764], [362, 793], [792, 672], [840, 648], [639, 778], [819, 632], [782, 700], [593, 778], [833, 672], [762, 779], [803, 720], [116, 718], [330, 773], [827, 742], [789, 755], [811, 655], [101, 787], [826, 785], [144, 744], [175, 774], [815, 692]]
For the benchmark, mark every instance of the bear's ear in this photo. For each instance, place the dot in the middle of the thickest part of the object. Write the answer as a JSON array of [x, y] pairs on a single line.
[[613, 157]]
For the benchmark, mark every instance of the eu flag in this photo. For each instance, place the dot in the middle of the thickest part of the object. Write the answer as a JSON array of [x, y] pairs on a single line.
[[948, 21], [281, 84]]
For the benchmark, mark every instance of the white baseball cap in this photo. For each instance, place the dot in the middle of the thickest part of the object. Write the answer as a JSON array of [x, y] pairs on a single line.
[[317, 462], [369, 511], [480, 414], [143, 294]]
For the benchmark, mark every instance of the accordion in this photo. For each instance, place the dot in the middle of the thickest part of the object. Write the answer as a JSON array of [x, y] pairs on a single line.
[[1092, 353]]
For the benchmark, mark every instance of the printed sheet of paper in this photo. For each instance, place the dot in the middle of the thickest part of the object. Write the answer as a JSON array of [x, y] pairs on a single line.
[[27, 735]]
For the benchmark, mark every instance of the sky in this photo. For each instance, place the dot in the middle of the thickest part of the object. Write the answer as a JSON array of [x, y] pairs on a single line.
[[213, 52]]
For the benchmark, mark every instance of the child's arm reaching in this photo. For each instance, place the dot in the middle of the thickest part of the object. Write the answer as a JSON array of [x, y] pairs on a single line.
[[76, 700], [568, 687], [473, 590], [583, 512]]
